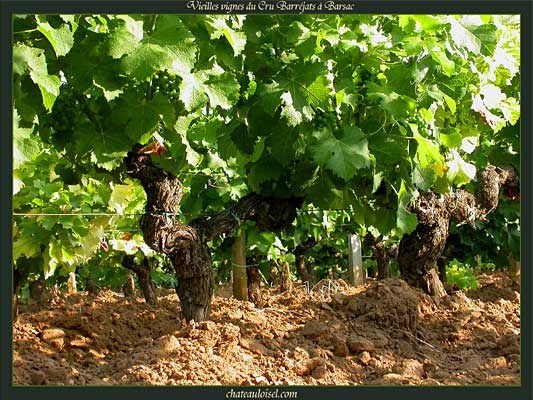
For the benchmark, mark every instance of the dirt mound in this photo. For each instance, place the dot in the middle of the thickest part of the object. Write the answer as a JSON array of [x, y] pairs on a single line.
[[332, 334], [388, 304]]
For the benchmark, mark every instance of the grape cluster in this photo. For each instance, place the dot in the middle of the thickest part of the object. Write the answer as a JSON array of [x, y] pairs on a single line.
[[66, 110], [167, 84], [423, 127], [326, 120], [361, 78]]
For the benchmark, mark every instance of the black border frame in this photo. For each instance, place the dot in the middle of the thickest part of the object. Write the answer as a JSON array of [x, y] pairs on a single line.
[[8, 391]]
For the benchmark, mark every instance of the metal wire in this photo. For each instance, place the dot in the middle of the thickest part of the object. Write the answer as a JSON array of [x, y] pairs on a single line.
[[308, 210], [101, 214]]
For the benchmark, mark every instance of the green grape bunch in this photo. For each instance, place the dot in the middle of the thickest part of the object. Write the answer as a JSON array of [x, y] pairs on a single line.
[[424, 128], [166, 83], [66, 111], [326, 120]]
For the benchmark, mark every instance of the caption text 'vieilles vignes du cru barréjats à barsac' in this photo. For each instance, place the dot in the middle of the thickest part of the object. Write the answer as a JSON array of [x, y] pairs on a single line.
[[243, 6]]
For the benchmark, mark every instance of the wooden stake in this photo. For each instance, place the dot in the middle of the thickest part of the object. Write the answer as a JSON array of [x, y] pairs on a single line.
[[71, 283], [238, 257], [356, 274]]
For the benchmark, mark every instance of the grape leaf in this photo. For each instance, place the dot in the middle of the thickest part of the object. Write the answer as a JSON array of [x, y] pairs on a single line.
[[427, 152], [171, 35], [303, 39], [283, 142], [459, 171], [121, 197], [218, 27], [424, 178], [25, 245], [438, 54], [220, 89], [488, 36], [95, 232], [400, 106], [26, 59], [461, 36], [295, 97], [428, 23], [450, 137], [243, 139], [170, 47], [25, 145], [49, 86], [106, 79], [266, 169], [142, 117], [342, 156], [121, 42], [318, 92], [192, 92], [145, 60], [61, 39], [405, 220], [203, 135]]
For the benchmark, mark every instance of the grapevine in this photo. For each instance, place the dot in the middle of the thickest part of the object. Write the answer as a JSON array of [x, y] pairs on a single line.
[[358, 113]]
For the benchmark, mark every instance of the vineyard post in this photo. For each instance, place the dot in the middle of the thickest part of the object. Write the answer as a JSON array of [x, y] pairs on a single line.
[[71, 283], [238, 257], [355, 261]]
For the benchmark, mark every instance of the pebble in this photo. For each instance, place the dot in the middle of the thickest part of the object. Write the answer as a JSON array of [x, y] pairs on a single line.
[[358, 344], [441, 375], [78, 343], [178, 375], [209, 326], [412, 367], [50, 334], [498, 362], [254, 346], [167, 343], [55, 374], [394, 378], [319, 372], [365, 357], [341, 349], [314, 329], [37, 378]]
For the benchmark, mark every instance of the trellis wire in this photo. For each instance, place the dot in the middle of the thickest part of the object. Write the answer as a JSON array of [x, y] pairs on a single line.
[[308, 210]]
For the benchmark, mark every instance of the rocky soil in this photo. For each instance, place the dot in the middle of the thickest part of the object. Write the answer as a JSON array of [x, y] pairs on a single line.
[[383, 333]]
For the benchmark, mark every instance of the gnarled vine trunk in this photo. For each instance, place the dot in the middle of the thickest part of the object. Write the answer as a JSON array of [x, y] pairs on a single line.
[[420, 250], [186, 245], [143, 272], [383, 254], [301, 267], [254, 283]]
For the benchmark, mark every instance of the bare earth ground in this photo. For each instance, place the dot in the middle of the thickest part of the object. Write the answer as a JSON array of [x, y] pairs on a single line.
[[382, 333]]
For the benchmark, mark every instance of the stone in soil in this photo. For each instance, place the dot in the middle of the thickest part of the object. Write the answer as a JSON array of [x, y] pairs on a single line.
[[341, 349], [314, 329], [53, 333], [37, 378], [254, 346], [358, 344]]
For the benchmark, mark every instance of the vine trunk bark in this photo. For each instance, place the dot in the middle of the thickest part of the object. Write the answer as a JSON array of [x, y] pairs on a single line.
[[420, 250], [254, 284], [186, 245], [143, 272], [301, 268], [383, 255]]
